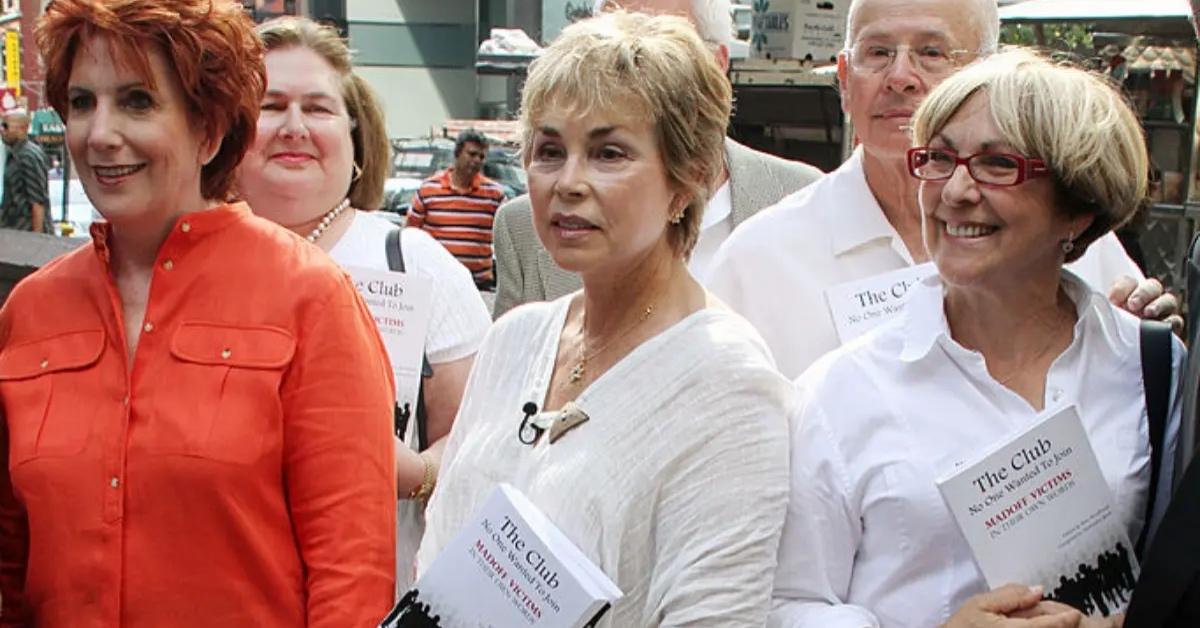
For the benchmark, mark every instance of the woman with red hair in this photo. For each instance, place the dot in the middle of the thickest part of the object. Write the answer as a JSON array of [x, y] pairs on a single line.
[[196, 407]]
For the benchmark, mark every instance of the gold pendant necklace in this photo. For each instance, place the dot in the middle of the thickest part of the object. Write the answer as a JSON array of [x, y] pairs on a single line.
[[580, 369]]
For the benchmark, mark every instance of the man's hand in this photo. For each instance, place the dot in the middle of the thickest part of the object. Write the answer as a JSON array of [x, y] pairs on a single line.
[[1146, 299], [1005, 607]]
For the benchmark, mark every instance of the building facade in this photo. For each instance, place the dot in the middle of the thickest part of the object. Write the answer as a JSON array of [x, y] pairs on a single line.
[[418, 54], [20, 16]]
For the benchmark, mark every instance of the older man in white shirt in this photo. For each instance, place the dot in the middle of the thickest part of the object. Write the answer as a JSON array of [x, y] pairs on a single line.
[[862, 220]]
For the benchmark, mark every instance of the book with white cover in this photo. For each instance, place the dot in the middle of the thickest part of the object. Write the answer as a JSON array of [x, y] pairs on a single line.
[[509, 567], [862, 305], [1036, 510], [401, 304]]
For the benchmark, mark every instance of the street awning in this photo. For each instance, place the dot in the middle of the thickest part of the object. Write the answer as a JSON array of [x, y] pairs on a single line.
[[46, 122], [1094, 10]]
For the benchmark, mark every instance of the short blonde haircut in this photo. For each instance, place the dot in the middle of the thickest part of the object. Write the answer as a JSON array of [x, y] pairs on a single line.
[[368, 133], [655, 67], [1073, 120]]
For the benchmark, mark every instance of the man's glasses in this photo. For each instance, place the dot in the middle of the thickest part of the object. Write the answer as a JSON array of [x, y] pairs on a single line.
[[998, 169], [930, 58]]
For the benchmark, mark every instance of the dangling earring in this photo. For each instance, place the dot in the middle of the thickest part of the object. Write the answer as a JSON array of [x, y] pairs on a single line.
[[677, 214], [1068, 245]]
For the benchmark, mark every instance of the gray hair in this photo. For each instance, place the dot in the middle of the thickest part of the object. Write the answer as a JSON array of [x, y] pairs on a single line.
[[713, 18], [986, 18]]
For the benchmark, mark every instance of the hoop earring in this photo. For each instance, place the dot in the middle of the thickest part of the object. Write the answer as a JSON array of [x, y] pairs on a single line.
[[1068, 245], [357, 172]]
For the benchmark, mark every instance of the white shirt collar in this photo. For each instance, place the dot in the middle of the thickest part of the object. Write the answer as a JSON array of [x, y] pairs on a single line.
[[925, 325], [719, 206], [854, 215]]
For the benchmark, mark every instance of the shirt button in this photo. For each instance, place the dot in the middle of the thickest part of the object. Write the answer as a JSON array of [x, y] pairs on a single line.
[[185, 227], [115, 482], [125, 401], [148, 327], [168, 265], [45, 363], [1057, 394], [226, 354]]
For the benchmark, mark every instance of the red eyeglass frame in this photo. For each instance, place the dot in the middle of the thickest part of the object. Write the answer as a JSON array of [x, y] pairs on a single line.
[[1028, 167]]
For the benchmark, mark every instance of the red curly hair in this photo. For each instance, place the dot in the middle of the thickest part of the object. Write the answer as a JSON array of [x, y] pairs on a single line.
[[210, 43]]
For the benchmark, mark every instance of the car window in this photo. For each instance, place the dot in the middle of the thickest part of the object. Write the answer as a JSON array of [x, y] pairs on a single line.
[[414, 160], [419, 162], [508, 175]]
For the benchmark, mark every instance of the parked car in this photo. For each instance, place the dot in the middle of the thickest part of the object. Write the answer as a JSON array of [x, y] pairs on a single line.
[[503, 165], [417, 159], [397, 196]]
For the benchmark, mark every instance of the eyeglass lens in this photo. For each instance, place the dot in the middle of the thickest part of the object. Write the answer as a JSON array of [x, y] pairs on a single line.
[[996, 169], [878, 57]]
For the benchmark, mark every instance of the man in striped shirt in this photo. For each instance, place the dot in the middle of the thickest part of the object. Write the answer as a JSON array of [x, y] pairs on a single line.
[[458, 205], [25, 204]]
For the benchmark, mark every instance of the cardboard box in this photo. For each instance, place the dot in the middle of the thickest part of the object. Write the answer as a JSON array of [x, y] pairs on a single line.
[[798, 29]]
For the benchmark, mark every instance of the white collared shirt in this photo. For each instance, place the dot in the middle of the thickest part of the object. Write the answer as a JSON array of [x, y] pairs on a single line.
[[775, 267], [715, 228], [868, 540]]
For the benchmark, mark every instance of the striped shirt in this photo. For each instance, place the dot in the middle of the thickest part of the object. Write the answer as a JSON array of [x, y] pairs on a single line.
[[25, 183], [460, 219]]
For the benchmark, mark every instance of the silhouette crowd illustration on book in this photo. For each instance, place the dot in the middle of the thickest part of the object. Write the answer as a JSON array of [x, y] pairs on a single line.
[[1100, 587], [411, 613]]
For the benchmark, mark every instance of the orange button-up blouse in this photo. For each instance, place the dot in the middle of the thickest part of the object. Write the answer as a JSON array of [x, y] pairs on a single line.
[[238, 474]]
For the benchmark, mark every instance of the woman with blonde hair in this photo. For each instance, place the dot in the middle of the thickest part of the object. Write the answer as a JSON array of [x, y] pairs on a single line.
[[316, 167], [644, 419], [1023, 164]]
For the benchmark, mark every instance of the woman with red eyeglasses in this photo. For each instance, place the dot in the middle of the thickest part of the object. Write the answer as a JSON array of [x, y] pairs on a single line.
[[1023, 164]]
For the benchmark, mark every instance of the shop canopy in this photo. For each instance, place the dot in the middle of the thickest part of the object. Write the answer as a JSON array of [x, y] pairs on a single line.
[[1095, 10], [45, 122]]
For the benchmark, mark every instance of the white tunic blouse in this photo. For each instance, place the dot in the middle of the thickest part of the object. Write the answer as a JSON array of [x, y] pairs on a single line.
[[868, 540], [677, 485]]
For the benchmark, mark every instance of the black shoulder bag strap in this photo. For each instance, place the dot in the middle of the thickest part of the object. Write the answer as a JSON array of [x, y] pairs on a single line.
[[1191, 397], [395, 260], [1156, 380]]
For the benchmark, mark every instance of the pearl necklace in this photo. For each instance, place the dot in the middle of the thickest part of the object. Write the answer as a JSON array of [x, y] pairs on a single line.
[[327, 220]]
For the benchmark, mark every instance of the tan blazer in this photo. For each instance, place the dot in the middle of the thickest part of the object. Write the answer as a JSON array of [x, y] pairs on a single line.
[[525, 272]]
